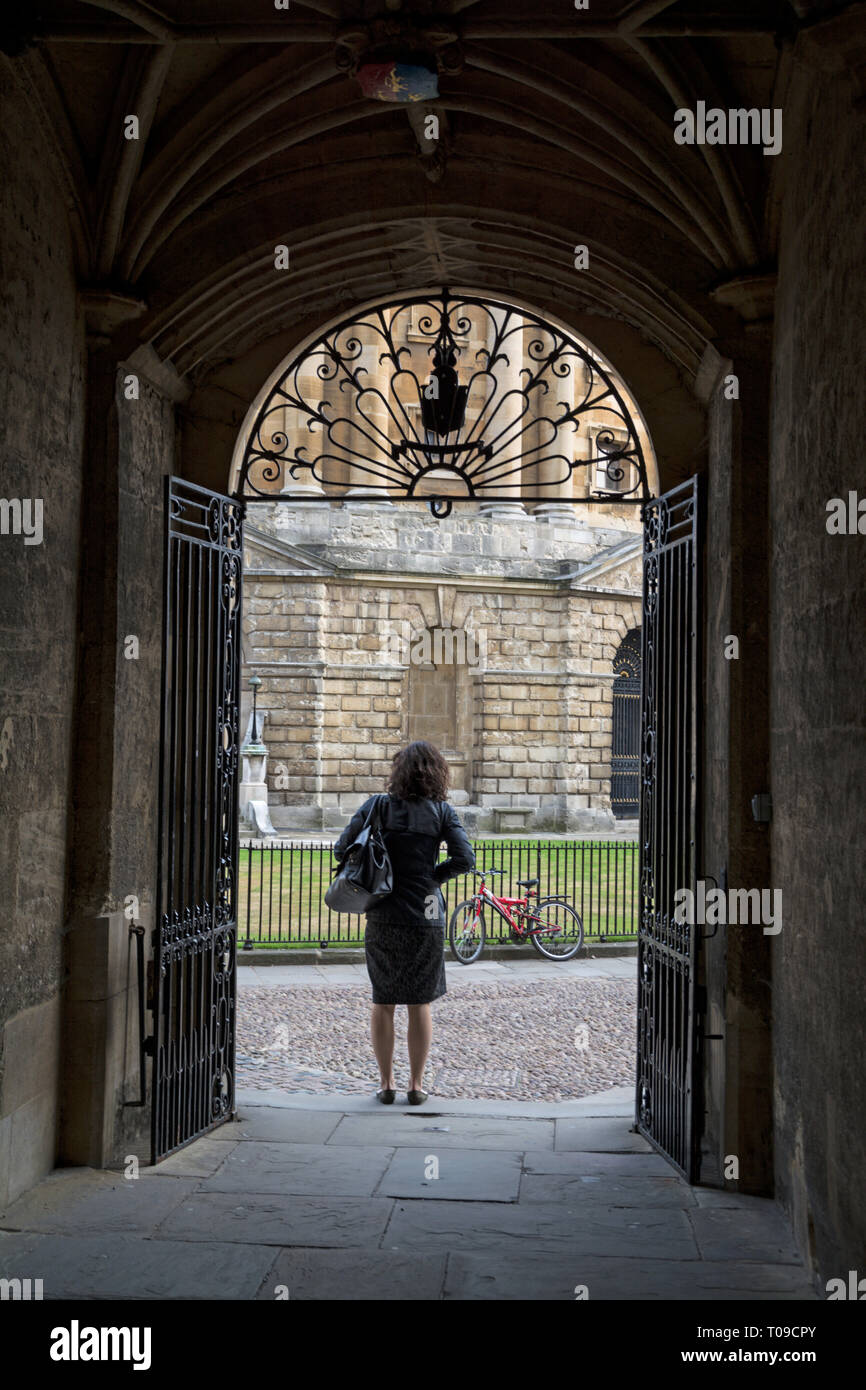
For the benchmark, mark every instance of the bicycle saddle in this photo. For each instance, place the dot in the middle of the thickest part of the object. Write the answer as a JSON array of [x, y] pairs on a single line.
[[526, 882]]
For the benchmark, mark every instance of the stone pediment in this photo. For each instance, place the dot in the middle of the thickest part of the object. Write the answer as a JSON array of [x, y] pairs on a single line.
[[617, 566], [265, 553]]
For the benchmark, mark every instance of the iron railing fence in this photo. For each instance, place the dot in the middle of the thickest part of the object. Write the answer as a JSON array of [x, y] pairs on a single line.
[[282, 885]]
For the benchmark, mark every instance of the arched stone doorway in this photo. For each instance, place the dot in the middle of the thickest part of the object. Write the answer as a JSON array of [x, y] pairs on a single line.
[[499, 435]]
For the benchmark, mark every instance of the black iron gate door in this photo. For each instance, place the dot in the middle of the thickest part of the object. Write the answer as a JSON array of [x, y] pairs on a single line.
[[668, 1074], [625, 749], [625, 759], [194, 985]]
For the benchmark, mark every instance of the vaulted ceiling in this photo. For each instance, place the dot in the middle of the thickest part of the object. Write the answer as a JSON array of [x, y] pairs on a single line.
[[556, 130]]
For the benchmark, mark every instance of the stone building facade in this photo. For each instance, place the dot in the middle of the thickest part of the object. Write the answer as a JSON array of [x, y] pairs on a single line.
[[492, 636]]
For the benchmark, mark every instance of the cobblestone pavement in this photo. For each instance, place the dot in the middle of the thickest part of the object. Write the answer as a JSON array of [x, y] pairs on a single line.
[[501, 1034]]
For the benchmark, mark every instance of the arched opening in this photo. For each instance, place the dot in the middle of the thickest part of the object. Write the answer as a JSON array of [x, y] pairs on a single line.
[[449, 394], [486, 632], [486, 406]]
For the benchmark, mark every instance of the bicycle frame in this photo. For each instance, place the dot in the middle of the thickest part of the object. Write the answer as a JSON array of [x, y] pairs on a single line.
[[502, 905]]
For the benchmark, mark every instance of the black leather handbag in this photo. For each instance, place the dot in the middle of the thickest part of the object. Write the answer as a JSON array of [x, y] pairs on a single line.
[[365, 874]]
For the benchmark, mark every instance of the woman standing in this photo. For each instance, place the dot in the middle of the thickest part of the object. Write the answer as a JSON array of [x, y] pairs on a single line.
[[404, 942]]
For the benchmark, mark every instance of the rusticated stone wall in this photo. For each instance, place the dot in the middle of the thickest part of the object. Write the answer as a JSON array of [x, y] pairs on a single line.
[[505, 660]]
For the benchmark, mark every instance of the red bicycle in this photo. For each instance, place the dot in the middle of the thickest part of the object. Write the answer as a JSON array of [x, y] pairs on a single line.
[[552, 925]]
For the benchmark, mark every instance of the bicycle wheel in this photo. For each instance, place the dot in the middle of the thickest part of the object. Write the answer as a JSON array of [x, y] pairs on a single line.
[[466, 932], [556, 931]]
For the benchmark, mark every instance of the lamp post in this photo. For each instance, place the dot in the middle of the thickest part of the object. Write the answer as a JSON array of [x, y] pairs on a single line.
[[255, 745], [253, 790]]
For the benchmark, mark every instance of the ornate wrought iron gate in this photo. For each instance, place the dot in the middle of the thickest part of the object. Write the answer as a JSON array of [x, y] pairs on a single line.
[[194, 966], [668, 1072], [625, 750]]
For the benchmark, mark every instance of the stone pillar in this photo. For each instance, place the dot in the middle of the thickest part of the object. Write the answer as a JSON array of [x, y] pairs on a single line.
[[737, 1079], [304, 486], [546, 478], [129, 447], [508, 378], [363, 489]]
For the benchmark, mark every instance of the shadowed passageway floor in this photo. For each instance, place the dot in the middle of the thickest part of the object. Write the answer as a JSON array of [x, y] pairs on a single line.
[[323, 1197]]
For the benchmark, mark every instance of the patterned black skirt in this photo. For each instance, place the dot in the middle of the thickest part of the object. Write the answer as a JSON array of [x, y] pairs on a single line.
[[406, 964]]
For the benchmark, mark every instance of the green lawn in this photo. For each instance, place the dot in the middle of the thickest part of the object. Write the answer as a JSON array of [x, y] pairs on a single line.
[[280, 895]]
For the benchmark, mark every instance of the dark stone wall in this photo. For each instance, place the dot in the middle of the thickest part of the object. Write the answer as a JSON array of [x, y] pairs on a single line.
[[41, 424], [716, 751], [116, 759], [146, 439], [734, 959], [817, 603]]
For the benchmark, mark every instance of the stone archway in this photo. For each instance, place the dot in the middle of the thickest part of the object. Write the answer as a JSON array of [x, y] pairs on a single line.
[[516, 409], [548, 434]]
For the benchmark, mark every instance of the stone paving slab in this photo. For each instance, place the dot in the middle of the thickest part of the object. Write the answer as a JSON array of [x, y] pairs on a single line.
[[293, 1126], [587, 971], [477, 1226], [311, 1169], [615, 1166], [555, 1275], [337, 1275], [280, 977], [302, 1102], [463, 1175], [616, 967], [87, 1200], [268, 1219], [411, 1127], [604, 1190], [116, 1265], [342, 974], [455, 973], [739, 1234], [718, 1197], [599, 1136], [198, 1160], [509, 1216], [598, 1106]]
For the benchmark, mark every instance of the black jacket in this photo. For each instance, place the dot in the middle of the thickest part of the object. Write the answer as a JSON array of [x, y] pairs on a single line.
[[413, 831]]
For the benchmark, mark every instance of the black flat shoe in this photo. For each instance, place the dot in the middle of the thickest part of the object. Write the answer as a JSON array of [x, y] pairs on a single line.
[[386, 1097], [416, 1097]]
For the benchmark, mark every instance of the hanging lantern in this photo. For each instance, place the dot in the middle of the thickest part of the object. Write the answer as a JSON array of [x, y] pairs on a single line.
[[443, 401]]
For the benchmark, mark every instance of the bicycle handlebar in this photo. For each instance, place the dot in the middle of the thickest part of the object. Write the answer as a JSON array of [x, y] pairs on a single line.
[[481, 873]]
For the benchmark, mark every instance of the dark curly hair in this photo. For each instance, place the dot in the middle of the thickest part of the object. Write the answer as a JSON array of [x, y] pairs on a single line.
[[419, 770]]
